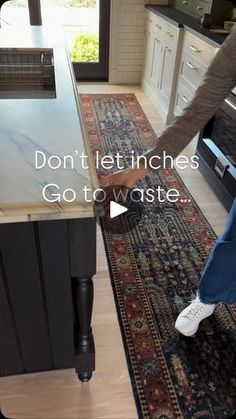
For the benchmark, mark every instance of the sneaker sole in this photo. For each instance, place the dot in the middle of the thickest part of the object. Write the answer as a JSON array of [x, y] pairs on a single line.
[[187, 336]]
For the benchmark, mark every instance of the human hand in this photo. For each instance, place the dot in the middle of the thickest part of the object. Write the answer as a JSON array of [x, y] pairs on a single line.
[[125, 178]]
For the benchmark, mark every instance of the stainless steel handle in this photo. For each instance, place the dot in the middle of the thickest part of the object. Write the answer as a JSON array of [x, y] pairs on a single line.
[[199, 8], [185, 99], [230, 104], [157, 39], [170, 34], [193, 48], [46, 64], [158, 26], [221, 166], [190, 65]]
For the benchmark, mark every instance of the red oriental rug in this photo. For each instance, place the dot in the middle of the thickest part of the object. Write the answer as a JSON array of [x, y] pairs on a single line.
[[155, 269]]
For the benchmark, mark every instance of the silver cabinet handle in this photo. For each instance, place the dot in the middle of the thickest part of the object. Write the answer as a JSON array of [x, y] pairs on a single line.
[[157, 39], [168, 49], [193, 48], [230, 104], [199, 8], [185, 99], [191, 66], [158, 26]]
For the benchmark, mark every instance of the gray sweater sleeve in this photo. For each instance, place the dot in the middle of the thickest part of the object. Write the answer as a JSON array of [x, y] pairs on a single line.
[[219, 80]]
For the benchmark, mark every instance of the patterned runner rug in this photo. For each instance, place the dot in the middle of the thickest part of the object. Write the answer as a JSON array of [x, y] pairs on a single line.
[[155, 269]]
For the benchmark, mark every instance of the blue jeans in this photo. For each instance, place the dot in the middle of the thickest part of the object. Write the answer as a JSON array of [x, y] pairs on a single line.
[[218, 281]]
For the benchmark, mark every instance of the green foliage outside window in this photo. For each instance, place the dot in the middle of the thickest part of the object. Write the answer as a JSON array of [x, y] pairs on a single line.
[[77, 3], [85, 48]]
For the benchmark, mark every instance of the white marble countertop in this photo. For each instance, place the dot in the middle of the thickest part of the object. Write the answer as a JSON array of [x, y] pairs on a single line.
[[52, 126]]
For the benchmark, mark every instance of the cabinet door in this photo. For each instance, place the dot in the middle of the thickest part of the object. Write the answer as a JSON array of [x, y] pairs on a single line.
[[153, 58], [36, 313], [156, 61], [149, 54], [167, 72]]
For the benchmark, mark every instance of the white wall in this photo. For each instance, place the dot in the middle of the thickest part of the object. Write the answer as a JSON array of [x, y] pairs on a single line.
[[127, 40]]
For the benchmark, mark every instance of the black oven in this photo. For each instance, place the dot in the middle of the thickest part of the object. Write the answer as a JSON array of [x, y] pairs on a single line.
[[216, 150]]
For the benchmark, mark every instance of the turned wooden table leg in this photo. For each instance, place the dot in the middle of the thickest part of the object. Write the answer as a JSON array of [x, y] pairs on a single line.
[[82, 236], [84, 342]]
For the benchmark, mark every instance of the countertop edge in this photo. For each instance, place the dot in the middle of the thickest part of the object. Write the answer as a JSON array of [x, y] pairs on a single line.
[[152, 8], [55, 216]]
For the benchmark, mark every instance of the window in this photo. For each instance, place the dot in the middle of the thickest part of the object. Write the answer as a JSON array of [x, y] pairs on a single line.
[[14, 12]]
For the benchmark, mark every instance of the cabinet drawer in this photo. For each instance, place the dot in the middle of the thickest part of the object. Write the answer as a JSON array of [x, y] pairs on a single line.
[[149, 22], [170, 34], [192, 70], [155, 23], [202, 7], [183, 98], [198, 48], [158, 24]]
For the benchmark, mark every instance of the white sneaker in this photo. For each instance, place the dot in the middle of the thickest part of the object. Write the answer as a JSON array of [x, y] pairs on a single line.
[[189, 319]]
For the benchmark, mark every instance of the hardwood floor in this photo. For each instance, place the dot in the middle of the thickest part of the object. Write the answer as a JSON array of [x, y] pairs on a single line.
[[58, 394]]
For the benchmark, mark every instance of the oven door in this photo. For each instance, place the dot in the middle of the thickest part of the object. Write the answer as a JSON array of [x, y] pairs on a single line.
[[216, 150], [223, 129]]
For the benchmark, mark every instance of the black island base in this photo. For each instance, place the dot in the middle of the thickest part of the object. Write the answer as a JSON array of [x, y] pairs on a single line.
[[46, 296]]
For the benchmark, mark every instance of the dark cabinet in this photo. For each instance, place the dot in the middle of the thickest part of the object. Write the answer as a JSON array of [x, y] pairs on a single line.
[[39, 316]]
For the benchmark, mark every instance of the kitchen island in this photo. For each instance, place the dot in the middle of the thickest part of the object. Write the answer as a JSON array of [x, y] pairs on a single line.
[[47, 244]]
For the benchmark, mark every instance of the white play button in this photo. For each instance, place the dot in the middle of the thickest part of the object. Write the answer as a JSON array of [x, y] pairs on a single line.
[[122, 216], [116, 209]]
